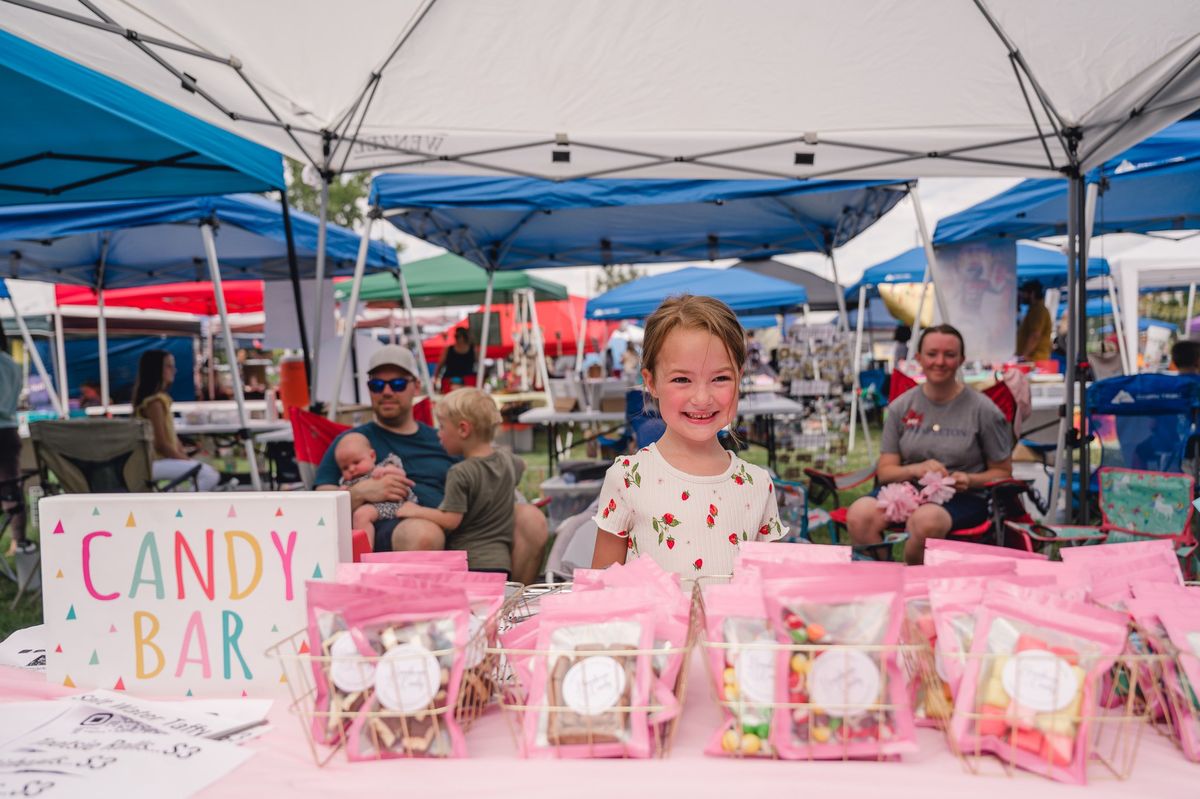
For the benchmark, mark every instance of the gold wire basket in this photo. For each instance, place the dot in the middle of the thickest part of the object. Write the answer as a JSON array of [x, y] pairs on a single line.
[[334, 694], [1058, 728], [834, 732], [601, 718], [1171, 703]]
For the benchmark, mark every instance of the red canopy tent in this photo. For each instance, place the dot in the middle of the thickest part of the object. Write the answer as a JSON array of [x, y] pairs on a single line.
[[555, 317], [241, 296]]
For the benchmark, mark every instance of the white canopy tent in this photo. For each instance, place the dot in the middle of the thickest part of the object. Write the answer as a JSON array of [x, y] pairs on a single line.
[[1158, 263], [626, 88]]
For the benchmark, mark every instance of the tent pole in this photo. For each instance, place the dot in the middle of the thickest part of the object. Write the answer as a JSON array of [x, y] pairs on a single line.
[[540, 343], [36, 357], [351, 312], [1116, 313], [322, 233], [1191, 307], [844, 324], [239, 395], [483, 334], [102, 324], [415, 332], [581, 342], [856, 364], [1067, 453], [930, 261], [1081, 256], [806, 313], [60, 348], [294, 275], [212, 367]]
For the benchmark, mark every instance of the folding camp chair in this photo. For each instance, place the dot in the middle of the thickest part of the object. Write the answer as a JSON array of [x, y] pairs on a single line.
[[24, 572], [1134, 506], [1006, 498], [1145, 422], [643, 426], [312, 435], [99, 456]]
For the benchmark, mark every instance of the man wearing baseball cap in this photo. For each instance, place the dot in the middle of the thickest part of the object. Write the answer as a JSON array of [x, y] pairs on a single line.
[[393, 385]]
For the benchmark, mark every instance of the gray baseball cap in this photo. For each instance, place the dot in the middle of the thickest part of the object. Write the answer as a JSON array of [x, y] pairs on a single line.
[[394, 355]]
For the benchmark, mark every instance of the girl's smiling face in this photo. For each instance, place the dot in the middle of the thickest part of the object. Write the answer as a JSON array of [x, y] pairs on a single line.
[[695, 384]]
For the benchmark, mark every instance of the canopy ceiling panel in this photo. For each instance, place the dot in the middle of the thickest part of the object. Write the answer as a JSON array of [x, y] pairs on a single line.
[[672, 89], [743, 292]]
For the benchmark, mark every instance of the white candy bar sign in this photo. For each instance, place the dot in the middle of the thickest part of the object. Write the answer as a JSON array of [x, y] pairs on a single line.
[[182, 594]]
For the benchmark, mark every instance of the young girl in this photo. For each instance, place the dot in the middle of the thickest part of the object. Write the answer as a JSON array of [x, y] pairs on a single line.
[[686, 501]]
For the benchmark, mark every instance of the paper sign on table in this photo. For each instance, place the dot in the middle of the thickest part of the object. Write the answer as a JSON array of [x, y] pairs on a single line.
[[87, 752], [182, 594]]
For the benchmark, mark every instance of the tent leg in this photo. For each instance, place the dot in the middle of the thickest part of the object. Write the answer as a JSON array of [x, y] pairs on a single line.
[[322, 238], [930, 262], [581, 343], [212, 367], [1067, 454], [294, 275], [1056, 477], [483, 335], [539, 344], [415, 332], [855, 365], [351, 313], [844, 324], [102, 324], [1081, 256], [1191, 308], [214, 273], [36, 357], [806, 313], [60, 349]]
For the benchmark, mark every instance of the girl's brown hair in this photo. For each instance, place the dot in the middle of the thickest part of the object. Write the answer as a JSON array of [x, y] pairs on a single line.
[[691, 312], [945, 330]]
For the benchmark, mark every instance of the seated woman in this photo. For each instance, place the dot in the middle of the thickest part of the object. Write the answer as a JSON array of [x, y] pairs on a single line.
[[457, 366], [156, 373], [940, 426]]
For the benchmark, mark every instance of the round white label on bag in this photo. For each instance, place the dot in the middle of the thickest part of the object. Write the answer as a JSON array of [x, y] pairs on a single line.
[[844, 682], [1040, 680], [593, 685], [408, 678], [349, 670], [755, 672]]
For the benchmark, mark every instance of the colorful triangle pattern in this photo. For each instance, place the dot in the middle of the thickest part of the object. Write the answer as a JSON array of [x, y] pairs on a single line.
[[274, 628], [71, 613], [243, 693], [58, 528], [304, 648], [112, 628], [58, 575], [95, 661], [58, 649], [279, 511], [69, 682], [130, 522], [317, 575], [179, 513], [189, 692], [95, 511], [283, 678], [120, 686], [232, 513], [321, 522]]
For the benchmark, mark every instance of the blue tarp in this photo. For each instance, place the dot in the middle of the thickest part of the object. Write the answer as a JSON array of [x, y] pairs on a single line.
[[743, 292], [72, 134], [1144, 324], [1096, 306], [878, 316], [1033, 263], [758, 321], [1151, 187], [522, 223], [158, 241], [83, 359]]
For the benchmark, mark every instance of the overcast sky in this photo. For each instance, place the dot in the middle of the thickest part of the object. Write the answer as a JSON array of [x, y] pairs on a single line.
[[891, 235]]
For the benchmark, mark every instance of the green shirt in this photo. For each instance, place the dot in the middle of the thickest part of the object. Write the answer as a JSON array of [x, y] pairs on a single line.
[[481, 489]]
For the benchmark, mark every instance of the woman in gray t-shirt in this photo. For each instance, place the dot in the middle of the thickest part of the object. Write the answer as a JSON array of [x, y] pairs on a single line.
[[940, 426]]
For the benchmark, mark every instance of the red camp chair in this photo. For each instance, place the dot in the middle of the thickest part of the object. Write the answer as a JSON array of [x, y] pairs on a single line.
[[1005, 496]]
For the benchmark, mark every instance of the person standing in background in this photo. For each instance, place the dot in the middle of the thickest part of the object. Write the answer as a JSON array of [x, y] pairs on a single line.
[[11, 379], [156, 373], [1033, 336], [901, 337]]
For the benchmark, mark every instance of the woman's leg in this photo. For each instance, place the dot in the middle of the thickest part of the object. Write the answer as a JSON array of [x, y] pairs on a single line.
[[927, 521], [172, 468], [10, 471], [864, 522]]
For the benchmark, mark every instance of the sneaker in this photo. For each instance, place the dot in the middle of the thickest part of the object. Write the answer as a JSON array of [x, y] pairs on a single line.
[[25, 547]]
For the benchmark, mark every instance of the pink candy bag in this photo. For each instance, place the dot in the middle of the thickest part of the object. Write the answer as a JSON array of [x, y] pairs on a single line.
[[941, 550], [741, 653], [777, 552], [417, 646], [1032, 682], [590, 691], [842, 701], [452, 559], [1182, 624]]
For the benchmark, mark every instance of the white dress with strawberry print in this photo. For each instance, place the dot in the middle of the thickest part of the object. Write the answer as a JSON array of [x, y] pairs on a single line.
[[690, 524]]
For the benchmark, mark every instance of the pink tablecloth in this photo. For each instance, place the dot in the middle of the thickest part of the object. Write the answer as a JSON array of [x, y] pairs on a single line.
[[283, 766]]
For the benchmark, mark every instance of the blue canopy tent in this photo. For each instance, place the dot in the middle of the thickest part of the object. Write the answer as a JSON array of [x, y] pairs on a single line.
[[141, 242], [521, 223], [760, 321], [743, 292]]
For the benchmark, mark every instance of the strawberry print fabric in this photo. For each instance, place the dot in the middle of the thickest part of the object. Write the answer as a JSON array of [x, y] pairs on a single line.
[[690, 524]]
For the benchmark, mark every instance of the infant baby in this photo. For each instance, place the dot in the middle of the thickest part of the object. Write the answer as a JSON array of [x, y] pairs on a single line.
[[356, 460]]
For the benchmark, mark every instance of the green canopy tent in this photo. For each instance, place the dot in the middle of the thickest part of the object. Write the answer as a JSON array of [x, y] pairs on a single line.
[[449, 280]]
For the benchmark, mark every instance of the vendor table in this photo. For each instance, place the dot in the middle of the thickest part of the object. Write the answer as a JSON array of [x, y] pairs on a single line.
[[769, 405], [282, 766], [552, 419], [186, 409]]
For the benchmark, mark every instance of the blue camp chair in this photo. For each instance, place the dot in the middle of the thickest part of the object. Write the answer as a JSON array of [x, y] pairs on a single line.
[[1145, 422], [643, 426]]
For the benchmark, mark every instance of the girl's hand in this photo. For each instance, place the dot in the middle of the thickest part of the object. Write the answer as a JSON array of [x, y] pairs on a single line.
[[962, 481]]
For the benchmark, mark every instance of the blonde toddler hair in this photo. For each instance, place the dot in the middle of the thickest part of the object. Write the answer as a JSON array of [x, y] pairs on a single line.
[[473, 406]]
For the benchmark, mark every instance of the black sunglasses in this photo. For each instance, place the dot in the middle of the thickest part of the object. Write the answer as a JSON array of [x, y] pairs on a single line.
[[376, 385]]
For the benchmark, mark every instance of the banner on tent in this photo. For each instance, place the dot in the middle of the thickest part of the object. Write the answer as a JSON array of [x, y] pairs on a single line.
[[979, 283], [182, 594]]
